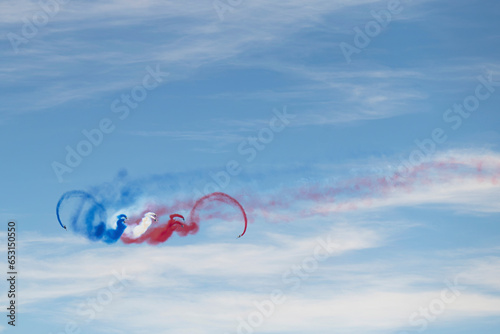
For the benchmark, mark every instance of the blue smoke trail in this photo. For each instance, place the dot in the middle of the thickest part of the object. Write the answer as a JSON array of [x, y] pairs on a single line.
[[111, 236], [123, 192], [94, 218]]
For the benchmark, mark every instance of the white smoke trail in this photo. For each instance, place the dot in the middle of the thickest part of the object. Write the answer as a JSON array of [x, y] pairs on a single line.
[[142, 227]]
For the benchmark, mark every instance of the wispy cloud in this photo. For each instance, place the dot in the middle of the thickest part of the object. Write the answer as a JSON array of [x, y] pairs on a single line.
[[360, 295], [196, 39]]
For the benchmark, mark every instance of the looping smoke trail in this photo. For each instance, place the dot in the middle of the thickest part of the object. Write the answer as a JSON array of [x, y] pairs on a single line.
[[94, 220], [160, 233], [459, 173], [217, 196]]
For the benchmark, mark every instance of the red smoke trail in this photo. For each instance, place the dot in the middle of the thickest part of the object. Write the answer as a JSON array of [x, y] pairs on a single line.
[[347, 195], [194, 216], [162, 232], [159, 233], [350, 194]]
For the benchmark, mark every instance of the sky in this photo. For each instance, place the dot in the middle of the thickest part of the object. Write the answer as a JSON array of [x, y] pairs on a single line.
[[361, 137]]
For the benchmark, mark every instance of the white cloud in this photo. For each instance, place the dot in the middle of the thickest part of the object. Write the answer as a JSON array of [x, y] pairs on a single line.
[[204, 288]]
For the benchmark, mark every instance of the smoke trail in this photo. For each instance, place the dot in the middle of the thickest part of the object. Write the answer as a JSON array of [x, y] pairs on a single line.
[[218, 196], [160, 233], [143, 226], [320, 198], [88, 217]]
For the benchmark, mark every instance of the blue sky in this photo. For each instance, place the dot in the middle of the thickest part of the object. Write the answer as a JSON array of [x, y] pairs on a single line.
[[231, 70]]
